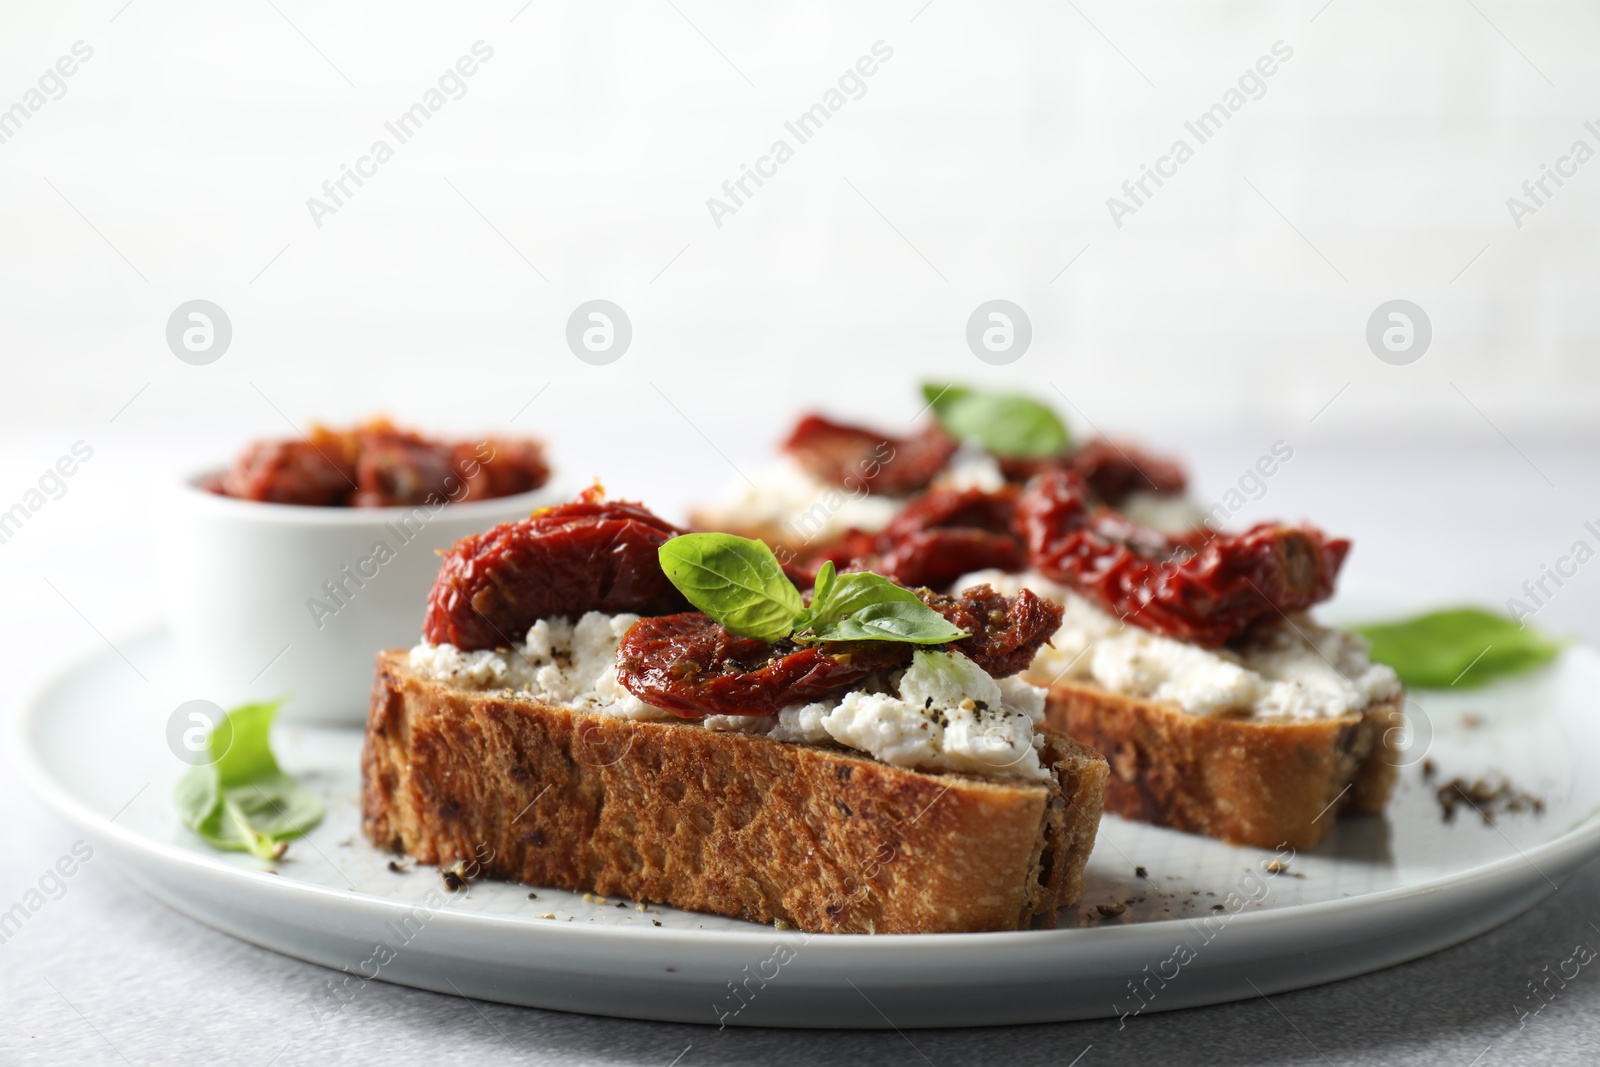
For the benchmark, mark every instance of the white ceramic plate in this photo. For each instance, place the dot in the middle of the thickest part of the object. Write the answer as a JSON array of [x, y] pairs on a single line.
[[1383, 890]]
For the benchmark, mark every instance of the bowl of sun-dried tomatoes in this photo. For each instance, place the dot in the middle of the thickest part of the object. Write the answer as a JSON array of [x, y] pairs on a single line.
[[286, 572]]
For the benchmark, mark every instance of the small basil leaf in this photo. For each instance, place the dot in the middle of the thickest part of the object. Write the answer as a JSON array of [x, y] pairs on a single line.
[[240, 746], [198, 796], [822, 588], [1005, 424], [893, 620], [242, 802], [849, 593], [278, 806], [1460, 647], [735, 580]]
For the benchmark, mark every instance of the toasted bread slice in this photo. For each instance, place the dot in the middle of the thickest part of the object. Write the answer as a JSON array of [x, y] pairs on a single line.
[[1247, 781], [823, 838]]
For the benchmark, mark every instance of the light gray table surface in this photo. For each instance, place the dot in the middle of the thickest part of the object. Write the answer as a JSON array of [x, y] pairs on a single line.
[[105, 975]]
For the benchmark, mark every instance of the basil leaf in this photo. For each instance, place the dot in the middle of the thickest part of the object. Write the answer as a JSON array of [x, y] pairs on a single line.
[[740, 584], [241, 749], [821, 591], [1005, 424], [242, 801], [1460, 647], [866, 606], [892, 620], [735, 580], [849, 593]]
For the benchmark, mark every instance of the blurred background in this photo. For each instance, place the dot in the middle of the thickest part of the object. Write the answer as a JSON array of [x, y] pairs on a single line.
[[1216, 313]]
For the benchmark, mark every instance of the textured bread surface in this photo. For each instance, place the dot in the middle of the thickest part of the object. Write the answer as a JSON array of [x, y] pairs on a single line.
[[1246, 781], [822, 838]]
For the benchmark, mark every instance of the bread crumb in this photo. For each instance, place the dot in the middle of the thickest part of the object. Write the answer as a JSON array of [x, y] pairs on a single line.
[[1487, 800], [1274, 866], [779, 924], [655, 922], [533, 896], [548, 915], [455, 876], [1112, 910]]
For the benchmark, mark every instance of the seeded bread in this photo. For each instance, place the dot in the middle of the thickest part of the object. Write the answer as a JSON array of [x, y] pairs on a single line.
[[1261, 782], [823, 838]]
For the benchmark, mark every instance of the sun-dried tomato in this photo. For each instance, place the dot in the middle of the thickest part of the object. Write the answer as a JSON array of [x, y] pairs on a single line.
[[692, 666], [1007, 631], [939, 536], [396, 468], [378, 465], [311, 471], [500, 467], [589, 555], [1201, 587], [854, 456], [1114, 470]]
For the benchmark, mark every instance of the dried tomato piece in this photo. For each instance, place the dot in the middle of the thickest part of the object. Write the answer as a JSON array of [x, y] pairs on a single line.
[[977, 509], [1007, 631], [935, 539], [1114, 470], [692, 666], [589, 555], [396, 468], [854, 456], [313, 472], [938, 557], [500, 467], [1202, 587]]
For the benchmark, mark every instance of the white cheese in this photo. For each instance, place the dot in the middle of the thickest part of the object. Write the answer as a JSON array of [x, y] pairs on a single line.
[[1170, 513], [945, 712], [1295, 669], [558, 663], [786, 498], [942, 713]]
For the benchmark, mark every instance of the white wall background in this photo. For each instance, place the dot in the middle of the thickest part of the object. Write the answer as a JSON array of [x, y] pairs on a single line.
[[991, 141]]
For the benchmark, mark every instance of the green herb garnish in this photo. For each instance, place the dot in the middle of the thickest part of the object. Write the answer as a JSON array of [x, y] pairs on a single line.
[[1460, 647], [241, 801], [1005, 424], [740, 583]]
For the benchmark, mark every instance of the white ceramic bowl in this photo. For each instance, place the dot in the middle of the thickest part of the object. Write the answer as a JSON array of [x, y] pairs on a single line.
[[269, 600]]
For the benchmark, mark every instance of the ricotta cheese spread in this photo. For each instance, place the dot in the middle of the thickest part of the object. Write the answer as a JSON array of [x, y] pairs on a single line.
[[1168, 513], [786, 498], [1296, 669], [942, 713]]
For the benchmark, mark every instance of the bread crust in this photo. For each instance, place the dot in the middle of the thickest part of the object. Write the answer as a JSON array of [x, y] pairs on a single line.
[[1261, 782], [822, 838]]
